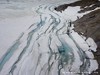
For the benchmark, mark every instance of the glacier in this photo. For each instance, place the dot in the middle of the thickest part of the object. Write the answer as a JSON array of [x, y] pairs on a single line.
[[49, 46]]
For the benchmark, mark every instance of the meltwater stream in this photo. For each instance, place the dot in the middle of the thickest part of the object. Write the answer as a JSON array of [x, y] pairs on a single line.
[[48, 47]]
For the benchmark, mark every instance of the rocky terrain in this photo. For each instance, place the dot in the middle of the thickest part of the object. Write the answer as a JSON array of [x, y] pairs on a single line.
[[89, 24]]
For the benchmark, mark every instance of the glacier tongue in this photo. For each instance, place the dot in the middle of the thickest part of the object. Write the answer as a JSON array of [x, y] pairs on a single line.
[[48, 47]]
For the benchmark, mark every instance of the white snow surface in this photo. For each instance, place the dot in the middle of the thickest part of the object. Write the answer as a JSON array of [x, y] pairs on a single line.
[[34, 40]]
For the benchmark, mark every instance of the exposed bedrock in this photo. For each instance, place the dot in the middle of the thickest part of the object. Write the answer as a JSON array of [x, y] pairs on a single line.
[[89, 24]]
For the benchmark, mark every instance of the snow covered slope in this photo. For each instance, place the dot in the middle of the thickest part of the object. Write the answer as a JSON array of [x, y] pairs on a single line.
[[48, 46]]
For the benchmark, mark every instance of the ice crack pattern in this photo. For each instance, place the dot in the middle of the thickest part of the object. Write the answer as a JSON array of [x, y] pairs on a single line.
[[49, 47]]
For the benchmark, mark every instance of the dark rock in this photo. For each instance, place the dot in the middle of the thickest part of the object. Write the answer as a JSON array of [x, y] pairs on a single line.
[[89, 24], [82, 4]]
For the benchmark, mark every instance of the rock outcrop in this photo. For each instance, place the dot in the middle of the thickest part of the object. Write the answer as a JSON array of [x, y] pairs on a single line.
[[89, 24]]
